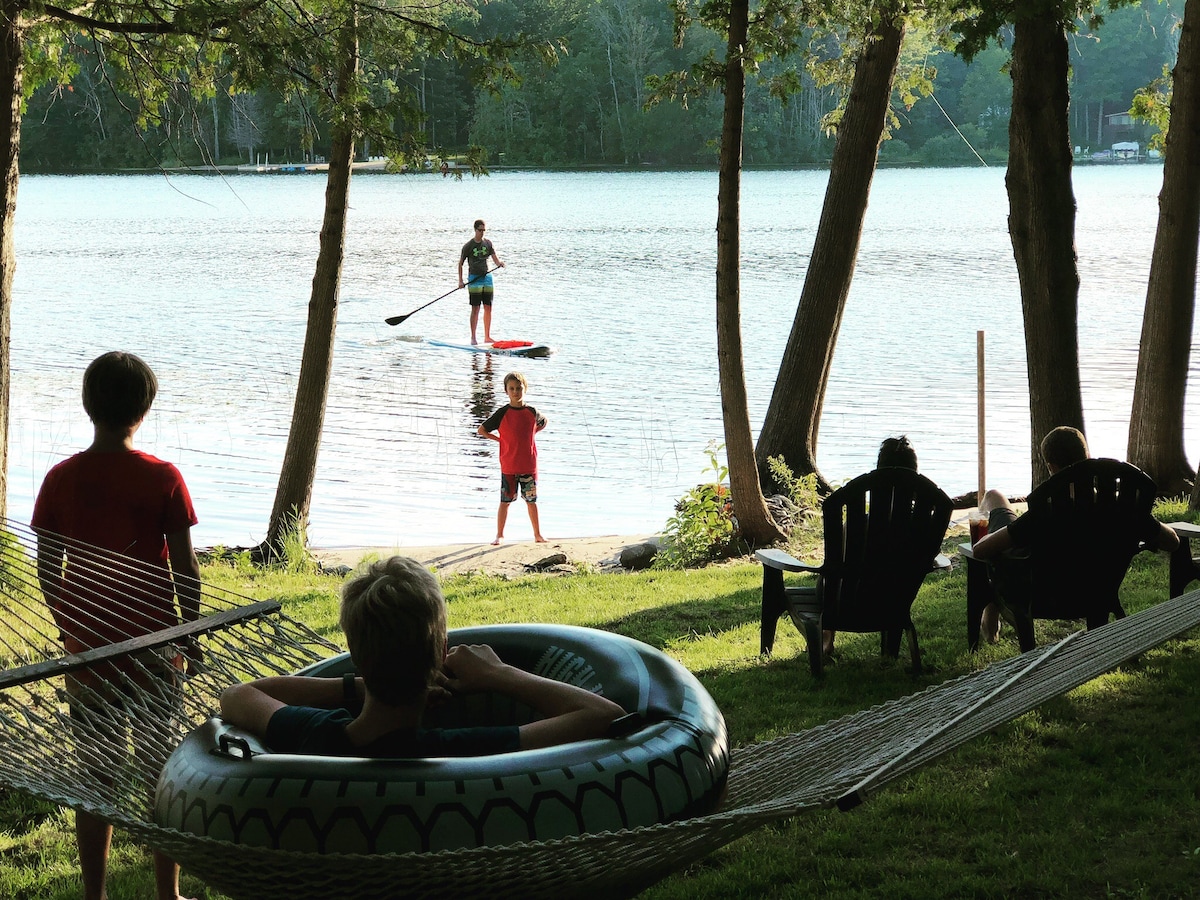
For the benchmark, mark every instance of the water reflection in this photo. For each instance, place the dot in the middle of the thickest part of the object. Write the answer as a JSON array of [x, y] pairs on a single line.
[[482, 402]]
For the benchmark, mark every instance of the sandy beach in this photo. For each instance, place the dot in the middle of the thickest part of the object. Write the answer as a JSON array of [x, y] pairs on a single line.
[[513, 558], [510, 558]]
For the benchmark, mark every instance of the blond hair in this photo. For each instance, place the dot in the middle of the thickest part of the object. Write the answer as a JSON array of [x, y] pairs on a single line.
[[394, 618]]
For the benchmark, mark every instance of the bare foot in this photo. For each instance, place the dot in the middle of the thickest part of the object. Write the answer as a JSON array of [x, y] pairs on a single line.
[[498, 541], [474, 343], [487, 339], [538, 539]]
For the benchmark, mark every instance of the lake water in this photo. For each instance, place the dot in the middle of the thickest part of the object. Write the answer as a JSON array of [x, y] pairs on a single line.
[[208, 279]]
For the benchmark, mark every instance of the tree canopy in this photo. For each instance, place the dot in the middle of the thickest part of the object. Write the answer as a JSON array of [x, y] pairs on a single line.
[[588, 110]]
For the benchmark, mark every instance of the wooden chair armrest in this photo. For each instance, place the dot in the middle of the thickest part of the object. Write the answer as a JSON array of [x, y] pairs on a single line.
[[1185, 529], [965, 551], [781, 559]]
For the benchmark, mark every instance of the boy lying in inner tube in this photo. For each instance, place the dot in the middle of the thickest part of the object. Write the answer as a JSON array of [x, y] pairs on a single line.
[[394, 619]]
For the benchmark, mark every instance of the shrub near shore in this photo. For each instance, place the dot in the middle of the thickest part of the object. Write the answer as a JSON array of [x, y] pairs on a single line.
[[1091, 795], [704, 528]]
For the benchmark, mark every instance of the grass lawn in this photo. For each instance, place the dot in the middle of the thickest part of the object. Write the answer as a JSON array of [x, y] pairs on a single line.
[[1095, 794]]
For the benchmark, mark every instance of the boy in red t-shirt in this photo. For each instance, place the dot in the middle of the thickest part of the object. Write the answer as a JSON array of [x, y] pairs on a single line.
[[514, 426], [117, 517]]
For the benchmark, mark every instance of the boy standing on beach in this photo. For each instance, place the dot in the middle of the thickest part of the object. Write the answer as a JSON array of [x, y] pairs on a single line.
[[514, 426], [394, 618], [117, 517]]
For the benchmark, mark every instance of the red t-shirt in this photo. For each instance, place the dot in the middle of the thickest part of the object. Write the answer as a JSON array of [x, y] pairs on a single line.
[[517, 426], [114, 511]]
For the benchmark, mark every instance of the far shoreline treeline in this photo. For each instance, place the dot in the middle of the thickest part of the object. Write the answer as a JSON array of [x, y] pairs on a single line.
[[590, 110], [367, 168]]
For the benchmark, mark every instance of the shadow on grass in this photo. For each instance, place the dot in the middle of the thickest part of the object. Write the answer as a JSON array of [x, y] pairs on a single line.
[[662, 625], [762, 697], [766, 696], [1092, 794]]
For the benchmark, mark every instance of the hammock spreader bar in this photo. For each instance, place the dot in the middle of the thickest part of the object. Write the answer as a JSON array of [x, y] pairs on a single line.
[[72, 661]]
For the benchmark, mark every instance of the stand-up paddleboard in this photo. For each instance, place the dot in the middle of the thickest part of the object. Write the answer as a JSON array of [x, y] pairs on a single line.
[[497, 348]]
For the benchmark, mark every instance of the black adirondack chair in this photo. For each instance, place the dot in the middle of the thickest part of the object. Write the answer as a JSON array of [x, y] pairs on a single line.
[[883, 533], [1089, 520]]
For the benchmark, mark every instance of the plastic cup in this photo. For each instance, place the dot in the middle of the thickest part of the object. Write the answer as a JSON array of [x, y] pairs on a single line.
[[979, 527]]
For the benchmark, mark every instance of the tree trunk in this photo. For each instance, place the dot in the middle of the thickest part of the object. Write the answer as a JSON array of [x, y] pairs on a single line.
[[293, 496], [794, 415], [1041, 223], [754, 519], [1156, 419], [11, 72]]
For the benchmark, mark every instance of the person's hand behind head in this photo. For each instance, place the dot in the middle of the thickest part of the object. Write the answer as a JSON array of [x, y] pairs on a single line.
[[471, 667], [439, 692]]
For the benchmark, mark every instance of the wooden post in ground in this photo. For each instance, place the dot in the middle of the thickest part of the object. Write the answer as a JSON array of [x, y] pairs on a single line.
[[980, 408]]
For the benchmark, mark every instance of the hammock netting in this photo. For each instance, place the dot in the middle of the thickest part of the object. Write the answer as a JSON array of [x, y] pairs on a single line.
[[836, 764]]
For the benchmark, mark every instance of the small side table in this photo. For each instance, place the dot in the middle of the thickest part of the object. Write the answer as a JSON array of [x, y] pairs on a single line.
[[1184, 569], [979, 593]]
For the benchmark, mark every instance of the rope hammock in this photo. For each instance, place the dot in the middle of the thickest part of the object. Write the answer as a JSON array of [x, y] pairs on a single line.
[[839, 763]]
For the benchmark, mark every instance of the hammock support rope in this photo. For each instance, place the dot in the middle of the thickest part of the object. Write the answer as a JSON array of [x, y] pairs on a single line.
[[835, 764]]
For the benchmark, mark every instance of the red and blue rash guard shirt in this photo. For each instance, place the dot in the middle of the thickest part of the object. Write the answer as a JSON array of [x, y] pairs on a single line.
[[107, 506], [517, 426]]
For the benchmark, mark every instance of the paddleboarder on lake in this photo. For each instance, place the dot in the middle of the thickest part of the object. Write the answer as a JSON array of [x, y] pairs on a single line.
[[476, 253]]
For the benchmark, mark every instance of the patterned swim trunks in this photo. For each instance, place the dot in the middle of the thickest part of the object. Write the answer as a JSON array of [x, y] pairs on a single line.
[[509, 484], [480, 290]]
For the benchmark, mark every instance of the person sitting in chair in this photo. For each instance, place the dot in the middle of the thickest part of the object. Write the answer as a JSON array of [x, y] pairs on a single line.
[[897, 452], [894, 452], [1062, 447]]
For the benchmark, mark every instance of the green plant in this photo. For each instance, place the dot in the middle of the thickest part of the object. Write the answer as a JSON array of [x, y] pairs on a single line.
[[718, 468], [1174, 509], [293, 547], [703, 527], [802, 491], [236, 558]]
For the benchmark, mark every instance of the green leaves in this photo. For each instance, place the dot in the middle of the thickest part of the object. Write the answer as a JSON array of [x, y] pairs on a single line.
[[703, 527], [163, 54], [1153, 104]]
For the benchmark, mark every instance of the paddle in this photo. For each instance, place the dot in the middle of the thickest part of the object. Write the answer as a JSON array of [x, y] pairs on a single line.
[[396, 320]]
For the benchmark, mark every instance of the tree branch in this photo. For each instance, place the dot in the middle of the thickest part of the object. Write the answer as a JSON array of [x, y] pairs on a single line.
[[91, 24]]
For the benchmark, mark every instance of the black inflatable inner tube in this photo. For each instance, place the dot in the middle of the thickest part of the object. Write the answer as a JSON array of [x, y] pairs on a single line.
[[664, 761]]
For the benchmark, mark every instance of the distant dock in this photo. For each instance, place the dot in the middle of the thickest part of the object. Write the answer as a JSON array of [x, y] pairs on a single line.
[[379, 164], [375, 164]]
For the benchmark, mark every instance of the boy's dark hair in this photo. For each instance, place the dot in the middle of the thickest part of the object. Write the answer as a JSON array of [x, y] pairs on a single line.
[[118, 389], [897, 451], [1064, 446], [479, 223], [394, 618]]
